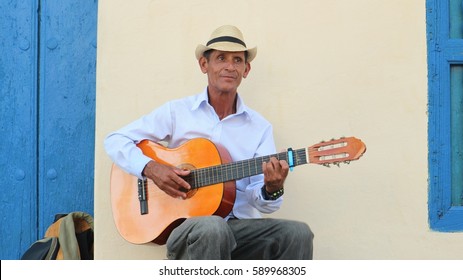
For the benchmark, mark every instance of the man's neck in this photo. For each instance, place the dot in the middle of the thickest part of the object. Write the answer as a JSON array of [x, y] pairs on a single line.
[[224, 104]]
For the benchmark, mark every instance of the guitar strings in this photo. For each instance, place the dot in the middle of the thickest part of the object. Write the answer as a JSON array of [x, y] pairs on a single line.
[[236, 170]]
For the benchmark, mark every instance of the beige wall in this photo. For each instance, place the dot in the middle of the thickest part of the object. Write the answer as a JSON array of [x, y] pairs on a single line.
[[324, 69]]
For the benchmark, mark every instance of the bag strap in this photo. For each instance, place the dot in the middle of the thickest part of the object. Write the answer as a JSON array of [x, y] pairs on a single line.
[[65, 229]]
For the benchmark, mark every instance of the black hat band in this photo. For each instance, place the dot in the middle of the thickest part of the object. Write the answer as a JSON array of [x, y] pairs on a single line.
[[226, 39]]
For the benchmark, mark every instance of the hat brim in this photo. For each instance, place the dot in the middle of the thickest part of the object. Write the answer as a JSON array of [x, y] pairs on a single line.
[[227, 47]]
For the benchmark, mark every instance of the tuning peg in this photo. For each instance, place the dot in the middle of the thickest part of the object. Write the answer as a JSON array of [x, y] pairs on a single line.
[[347, 161], [326, 164], [337, 164]]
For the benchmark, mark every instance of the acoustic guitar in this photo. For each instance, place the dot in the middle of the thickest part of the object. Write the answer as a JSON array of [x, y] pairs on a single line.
[[143, 213]]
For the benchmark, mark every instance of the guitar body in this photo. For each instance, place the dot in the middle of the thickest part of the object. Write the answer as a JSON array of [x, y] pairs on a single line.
[[165, 212]]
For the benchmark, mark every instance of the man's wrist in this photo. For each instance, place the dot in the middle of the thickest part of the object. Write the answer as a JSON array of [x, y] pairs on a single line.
[[272, 195], [143, 172]]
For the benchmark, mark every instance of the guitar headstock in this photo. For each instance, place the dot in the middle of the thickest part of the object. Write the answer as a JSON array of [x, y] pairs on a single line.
[[336, 151]]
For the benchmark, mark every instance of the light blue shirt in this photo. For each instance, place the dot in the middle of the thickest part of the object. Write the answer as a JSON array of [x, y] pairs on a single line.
[[245, 134]]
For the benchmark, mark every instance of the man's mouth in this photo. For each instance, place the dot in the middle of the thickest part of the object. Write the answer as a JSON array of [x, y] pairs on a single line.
[[229, 77]]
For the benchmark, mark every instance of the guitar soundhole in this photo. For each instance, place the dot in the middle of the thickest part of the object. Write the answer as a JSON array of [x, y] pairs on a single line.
[[192, 192]]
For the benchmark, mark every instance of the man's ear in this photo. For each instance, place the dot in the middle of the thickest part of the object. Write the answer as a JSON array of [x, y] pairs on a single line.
[[247, 70], [203, 64]]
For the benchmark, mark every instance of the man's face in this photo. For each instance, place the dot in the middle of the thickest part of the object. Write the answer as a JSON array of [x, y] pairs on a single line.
[[225, 70]]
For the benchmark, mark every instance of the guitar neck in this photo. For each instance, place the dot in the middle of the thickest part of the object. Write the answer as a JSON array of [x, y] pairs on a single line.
[[239, 169]]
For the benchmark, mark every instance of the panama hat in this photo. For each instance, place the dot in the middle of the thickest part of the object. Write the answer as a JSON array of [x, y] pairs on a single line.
[[226, 38]]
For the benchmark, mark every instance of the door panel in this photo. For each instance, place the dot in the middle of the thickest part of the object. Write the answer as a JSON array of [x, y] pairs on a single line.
[[18, 127], [66, 107]]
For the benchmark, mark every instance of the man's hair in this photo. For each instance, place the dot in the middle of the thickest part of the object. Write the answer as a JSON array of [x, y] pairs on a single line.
[[207, 55]]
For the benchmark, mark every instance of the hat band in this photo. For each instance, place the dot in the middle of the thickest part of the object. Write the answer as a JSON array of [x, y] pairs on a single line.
[[226, 39]]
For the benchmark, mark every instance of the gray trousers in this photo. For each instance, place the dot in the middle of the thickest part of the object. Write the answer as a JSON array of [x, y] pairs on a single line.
[[213, 238]]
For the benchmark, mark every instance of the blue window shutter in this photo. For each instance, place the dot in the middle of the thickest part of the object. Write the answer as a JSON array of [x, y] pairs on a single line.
[[444, 56]]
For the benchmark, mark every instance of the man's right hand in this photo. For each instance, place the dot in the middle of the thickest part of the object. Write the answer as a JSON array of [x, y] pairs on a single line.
[[167, 178]]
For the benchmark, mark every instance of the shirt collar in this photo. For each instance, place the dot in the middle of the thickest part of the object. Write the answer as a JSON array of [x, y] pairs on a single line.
[[203, 98]]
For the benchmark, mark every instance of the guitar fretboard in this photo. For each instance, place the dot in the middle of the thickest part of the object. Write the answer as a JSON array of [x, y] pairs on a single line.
[[240, 169]]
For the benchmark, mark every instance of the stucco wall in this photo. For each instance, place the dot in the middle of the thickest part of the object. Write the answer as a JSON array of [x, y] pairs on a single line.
[[324, 69]]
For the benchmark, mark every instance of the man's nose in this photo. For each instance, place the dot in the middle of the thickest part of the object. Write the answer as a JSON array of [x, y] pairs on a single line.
[[230, 65]]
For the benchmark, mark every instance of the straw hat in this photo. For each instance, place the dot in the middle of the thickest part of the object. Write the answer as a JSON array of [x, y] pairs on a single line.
[[226, 38]]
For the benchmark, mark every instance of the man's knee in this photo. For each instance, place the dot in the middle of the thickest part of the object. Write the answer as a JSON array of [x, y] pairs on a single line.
[[304, 231], [299, 237], [211, 223], [214, 228], [297, 230]]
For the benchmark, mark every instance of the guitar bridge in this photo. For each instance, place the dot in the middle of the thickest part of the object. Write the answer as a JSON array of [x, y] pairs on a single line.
[[142, 191]]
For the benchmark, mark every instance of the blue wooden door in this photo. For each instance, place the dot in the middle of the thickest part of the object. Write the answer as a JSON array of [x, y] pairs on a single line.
[[47, 117]]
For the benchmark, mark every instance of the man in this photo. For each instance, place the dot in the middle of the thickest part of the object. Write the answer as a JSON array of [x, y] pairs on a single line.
[[220, 115]]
